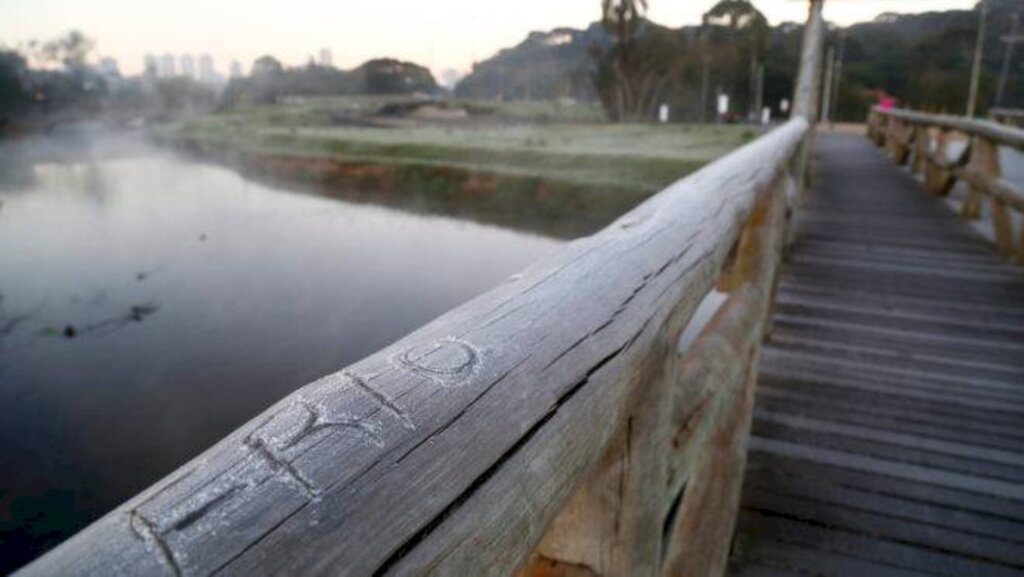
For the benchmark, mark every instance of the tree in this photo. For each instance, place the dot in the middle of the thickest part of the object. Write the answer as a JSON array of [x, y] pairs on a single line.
[[621, 18], [390, 76], [14, 88], [736, 15], [736, 30], [71, 50], [266, 66], [266, 80]]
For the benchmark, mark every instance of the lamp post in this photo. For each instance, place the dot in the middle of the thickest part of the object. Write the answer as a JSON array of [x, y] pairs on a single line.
[[1010, 40], [972, 97]]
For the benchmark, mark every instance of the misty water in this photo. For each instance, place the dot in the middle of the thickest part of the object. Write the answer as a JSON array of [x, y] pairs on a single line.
[[150, 303]]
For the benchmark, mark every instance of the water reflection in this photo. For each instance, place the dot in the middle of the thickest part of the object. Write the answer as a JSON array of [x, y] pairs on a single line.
[[150, 304]]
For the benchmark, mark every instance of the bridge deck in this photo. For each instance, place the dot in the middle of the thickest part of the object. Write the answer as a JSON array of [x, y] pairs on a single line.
[[889, 425]]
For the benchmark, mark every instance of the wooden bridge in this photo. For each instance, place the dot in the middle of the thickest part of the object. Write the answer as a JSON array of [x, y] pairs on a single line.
[[592, 415], [888, 432]]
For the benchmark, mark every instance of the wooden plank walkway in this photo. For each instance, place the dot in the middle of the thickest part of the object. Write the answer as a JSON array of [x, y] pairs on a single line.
[[888, 432]]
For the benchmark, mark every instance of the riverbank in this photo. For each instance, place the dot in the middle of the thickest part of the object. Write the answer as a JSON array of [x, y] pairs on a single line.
[[561, 179]]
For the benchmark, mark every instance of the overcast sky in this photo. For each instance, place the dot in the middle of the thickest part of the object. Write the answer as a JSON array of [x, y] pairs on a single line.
[[438, 33]]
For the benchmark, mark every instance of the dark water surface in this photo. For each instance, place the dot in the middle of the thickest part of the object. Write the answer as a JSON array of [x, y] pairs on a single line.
[[150, 304]]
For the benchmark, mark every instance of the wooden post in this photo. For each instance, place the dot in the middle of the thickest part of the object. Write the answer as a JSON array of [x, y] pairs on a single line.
[[935, 175], [985, 159], [706, 519], [1002, 225], [890, 131], [922, 142], [900, 139], [725, 361], [612, 524], [883, 131], [989, 164], [1020, 247]]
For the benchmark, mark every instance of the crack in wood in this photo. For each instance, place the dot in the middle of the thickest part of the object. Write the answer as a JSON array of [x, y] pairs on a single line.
[[463, 411], [645, 282], [258, 539], [409, 544]]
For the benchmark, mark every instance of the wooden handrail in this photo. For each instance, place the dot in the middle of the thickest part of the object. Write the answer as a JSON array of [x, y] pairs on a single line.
[[1011, 116], [926, 137], [993, 131], [554, 420]]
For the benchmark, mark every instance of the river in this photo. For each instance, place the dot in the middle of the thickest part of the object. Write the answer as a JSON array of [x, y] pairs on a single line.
[[150, 303]]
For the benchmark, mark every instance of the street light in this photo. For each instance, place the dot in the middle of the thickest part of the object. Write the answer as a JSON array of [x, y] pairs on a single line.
[[972, 97]]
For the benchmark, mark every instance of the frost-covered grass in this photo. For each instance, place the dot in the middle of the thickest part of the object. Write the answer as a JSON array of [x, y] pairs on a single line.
[[618, 156]]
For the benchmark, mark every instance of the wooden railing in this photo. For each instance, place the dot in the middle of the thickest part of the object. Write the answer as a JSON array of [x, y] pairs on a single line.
[[576, 418], [1011, 116], [924, 140]]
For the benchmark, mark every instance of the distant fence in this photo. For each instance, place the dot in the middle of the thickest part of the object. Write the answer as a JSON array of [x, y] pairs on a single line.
[[573, 418], [923, 140]]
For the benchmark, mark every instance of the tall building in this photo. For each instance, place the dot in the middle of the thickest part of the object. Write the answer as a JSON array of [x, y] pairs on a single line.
[[166, 68], [206, 72], [149, 65], [236, 69], [326, 59], [188, 66]]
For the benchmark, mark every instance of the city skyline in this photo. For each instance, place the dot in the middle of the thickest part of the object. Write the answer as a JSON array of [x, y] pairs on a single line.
[[308, 29]]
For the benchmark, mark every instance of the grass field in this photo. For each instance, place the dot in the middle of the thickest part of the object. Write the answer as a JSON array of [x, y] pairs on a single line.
[[547, 166], [632, 156]]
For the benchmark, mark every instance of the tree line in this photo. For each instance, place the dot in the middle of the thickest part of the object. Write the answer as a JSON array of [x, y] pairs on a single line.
[[68, 85], [628, 63], [633, 65]]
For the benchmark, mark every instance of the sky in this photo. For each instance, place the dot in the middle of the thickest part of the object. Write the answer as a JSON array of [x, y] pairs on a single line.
[[441, 34]]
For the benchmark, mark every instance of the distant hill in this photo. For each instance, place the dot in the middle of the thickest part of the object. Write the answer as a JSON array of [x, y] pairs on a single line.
[[925, 59], [546, 65]]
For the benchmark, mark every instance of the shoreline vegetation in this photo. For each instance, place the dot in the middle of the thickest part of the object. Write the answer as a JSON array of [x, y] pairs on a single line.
[[550, 168]]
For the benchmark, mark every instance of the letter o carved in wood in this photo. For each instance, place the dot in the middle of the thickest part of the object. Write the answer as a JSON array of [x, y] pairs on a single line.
[[449, 362]]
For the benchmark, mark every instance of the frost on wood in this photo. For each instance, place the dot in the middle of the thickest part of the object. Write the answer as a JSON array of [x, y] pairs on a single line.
[[208, 516]]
